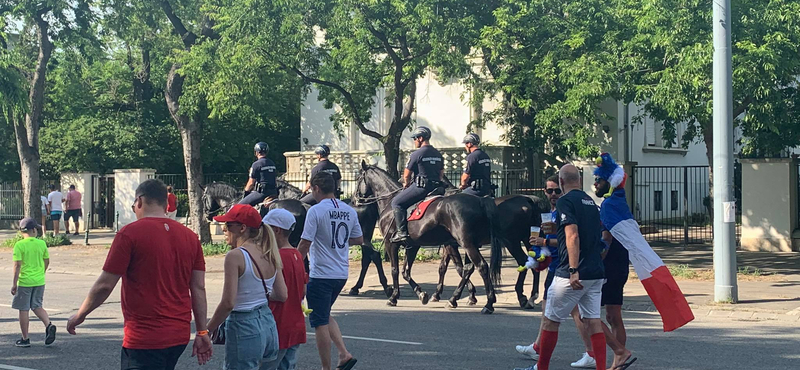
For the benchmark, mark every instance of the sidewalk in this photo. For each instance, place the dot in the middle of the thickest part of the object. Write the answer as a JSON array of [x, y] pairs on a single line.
[[775, 296]]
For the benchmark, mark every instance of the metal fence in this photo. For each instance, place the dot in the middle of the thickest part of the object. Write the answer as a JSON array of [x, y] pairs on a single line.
[[11, 196], [180, 186]]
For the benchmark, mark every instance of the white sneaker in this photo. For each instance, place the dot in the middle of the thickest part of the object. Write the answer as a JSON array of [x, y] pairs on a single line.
[[534, 367], [586, 362], [528, 351]]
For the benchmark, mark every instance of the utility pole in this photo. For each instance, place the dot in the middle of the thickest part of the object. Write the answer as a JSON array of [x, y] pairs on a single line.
[[725, 288]]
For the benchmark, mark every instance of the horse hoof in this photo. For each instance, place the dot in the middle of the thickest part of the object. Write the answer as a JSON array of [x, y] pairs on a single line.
[[388, 292], [391, 303], [472, 302], [435, 298], [523, 302], [487, 311], [529, 306], [353, 291], [424, 297], [452, 304]]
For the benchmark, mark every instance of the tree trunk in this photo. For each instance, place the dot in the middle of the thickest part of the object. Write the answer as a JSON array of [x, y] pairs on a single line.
[[27, 131], [191, 131], [708, 138], [391, 150]]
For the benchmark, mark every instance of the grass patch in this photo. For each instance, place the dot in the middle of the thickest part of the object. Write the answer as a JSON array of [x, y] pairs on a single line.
[[52, 241], [682, 271], [213, 249], [751, 271], [745, 273]]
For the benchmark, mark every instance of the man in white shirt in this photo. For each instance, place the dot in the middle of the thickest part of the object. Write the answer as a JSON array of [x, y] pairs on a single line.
[[54, 200], [45, 214], [331, 227]]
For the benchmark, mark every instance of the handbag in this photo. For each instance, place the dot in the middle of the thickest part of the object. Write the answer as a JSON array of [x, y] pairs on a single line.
[[218, 337]]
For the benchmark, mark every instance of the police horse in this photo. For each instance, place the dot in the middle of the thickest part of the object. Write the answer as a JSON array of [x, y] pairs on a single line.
[[220, 196], [460, 218]]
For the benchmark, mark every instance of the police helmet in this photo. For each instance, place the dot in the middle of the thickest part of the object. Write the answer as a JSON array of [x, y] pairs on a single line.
[[423, 132], [472, 138], [323, 150], [261, 148]]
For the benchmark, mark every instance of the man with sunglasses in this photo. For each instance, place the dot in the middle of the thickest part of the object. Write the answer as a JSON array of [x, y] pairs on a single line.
[[423, 174]]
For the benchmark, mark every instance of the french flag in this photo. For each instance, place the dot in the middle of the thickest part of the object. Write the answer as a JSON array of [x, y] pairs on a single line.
[[656, 278]]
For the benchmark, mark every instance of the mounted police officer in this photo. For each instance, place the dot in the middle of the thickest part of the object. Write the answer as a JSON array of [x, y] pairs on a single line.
[[262, 177], [422, 175], [323, 165], [476, 177]]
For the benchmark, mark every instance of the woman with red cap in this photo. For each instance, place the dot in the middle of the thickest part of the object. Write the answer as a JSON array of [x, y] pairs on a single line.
[[252, 278]]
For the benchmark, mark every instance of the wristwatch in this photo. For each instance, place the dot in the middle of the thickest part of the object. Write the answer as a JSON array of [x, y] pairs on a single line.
[[572, 270]]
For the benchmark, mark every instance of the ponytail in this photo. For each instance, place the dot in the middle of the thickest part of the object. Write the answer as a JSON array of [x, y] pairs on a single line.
[[265, 239]]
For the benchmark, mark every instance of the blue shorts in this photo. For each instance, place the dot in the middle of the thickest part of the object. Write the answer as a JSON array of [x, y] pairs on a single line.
[[55, 216], [321, 294], [251, 338]]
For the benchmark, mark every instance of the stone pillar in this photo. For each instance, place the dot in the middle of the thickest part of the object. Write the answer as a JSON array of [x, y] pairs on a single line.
[[769, 204], [83, 184], [588, 178], [125, 183]]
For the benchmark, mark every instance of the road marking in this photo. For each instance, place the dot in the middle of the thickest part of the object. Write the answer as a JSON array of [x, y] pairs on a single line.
[[379, 340], [9, 367]]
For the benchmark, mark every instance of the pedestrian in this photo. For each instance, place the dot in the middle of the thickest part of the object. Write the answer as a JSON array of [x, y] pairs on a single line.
[[252, 279], [323, 165], [73, 205], [31, 261], [579, 277], [45, 214], [172, 203], [331, 227], [54, 200], [162, 268], [476, 179], [288, 314]]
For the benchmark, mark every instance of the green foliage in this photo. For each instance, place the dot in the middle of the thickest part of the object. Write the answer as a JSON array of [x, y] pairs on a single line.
[[213, 249], [50, 240]]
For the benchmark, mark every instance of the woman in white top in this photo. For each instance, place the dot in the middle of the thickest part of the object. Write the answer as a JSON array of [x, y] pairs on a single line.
[[252, 278]]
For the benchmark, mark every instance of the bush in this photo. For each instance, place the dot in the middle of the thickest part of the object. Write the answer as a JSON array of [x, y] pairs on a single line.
[[213, 249], [52, 241]]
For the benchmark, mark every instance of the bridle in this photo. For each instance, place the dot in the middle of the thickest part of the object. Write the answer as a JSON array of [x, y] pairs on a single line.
[[361, 200]]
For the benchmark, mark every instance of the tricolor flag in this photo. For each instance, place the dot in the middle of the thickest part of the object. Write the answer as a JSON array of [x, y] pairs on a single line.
[[656, 278]]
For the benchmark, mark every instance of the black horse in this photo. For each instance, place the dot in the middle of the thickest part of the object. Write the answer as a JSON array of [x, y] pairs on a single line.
[[459, 218]]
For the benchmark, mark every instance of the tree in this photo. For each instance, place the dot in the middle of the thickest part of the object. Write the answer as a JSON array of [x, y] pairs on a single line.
[[349, 49]]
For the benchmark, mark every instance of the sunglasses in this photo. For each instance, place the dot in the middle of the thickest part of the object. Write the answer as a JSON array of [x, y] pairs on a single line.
[[229, 225], [552, 190], [133, 206]]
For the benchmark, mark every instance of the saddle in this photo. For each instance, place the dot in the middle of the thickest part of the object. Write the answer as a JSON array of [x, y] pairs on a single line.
[[418, 210]]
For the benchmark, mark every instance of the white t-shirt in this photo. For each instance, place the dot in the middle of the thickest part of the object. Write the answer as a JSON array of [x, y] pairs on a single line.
[[329, 225], [55, 198], [44, 204]]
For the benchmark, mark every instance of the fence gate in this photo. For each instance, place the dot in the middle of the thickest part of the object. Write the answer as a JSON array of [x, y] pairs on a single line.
[[103, 211]]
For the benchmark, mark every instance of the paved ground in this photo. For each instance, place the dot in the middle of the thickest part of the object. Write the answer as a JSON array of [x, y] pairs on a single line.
[[761, 332]]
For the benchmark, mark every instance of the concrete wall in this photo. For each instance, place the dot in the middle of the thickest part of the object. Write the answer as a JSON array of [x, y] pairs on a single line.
[[125, 183], [83, 184], [769, 204]]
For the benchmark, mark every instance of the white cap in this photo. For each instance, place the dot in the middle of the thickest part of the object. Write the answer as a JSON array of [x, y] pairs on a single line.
[[280, 218]]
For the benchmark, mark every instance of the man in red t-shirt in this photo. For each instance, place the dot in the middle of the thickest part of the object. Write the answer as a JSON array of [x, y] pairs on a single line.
[[288, 314], [172, 203], [162, 268]]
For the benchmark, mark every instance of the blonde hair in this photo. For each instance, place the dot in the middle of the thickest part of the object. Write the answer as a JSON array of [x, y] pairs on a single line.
[[264, 238]]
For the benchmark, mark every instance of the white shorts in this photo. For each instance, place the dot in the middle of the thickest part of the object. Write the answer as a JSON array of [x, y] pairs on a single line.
[[561, 299]]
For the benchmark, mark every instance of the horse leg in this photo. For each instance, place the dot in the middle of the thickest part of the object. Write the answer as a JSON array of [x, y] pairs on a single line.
[[442, 271], [519, 288], [460, 269], [465, 274], [377, 260], [477, 259], [394, 258], [366, 258], [411, 255]]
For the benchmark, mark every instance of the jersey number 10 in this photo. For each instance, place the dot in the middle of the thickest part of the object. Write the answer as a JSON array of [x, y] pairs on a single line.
[[339, 236]]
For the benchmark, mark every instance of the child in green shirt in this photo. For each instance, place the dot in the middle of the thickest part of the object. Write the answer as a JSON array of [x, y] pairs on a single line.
[[31, 260]]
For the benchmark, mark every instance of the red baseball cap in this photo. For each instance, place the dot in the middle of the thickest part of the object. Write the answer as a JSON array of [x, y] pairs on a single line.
[[243, 214]]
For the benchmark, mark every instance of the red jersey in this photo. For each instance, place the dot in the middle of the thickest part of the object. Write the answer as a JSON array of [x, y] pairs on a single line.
[[155, 257], [289, 314], [172, 202]]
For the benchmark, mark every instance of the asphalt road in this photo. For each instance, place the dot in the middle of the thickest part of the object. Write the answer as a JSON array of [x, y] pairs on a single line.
[[412, 336]]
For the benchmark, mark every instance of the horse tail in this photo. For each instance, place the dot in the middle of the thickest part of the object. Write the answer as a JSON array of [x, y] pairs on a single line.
[[498, 240]]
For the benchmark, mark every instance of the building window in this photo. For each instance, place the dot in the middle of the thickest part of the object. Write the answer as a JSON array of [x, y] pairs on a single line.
[[658, 201], [673, 200], [654, 134]]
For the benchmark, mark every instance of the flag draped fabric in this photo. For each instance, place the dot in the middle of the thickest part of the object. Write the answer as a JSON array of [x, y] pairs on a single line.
[[656, 278]]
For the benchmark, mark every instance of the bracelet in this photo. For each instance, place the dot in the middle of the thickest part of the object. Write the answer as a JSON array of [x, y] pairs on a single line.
[[202, 333]]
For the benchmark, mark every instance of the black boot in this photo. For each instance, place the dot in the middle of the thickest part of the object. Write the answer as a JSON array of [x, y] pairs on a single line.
[[401, 235]]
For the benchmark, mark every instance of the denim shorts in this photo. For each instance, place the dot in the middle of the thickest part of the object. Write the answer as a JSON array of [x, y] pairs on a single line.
[[286, 360], [321, 294], [251, 337]]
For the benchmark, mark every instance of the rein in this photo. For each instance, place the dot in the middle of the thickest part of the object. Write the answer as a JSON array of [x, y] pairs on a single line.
[[360, 200]]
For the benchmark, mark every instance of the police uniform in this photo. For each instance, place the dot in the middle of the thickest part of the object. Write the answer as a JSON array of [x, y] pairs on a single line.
[[427, 164], [264, 172], [479, 169], [324, 166]]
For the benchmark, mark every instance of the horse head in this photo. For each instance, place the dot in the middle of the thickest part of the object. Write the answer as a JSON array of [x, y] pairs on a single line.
[[287, 190], [219, 196]]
